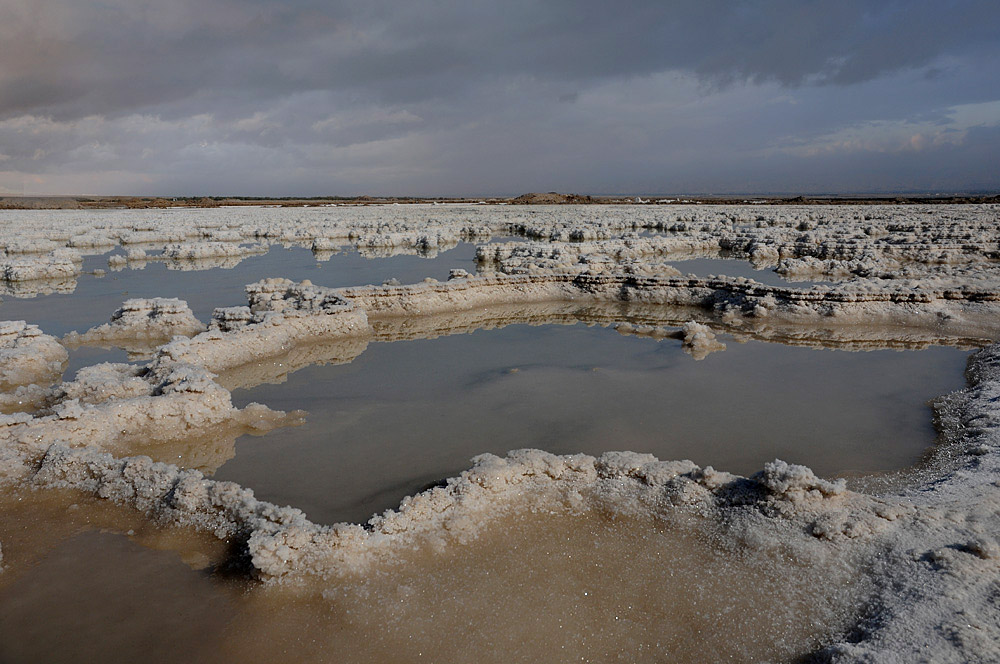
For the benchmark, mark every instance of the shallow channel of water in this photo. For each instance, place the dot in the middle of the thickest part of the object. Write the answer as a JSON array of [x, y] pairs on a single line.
[[96, 298], [733, 267]]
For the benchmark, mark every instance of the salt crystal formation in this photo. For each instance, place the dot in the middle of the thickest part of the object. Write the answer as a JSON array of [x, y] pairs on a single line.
[[141, 323], [27, 356], [143, 436], [30, 362], [699, 340]]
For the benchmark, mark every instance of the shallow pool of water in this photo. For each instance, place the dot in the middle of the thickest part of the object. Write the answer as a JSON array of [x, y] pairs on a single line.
[[408, 413]]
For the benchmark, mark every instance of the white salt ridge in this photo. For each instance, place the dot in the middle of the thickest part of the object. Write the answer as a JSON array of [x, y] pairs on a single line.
[[165, 407], [937, 568], [141, 323], [282, 314], [60, 264], [699, 340], [30, 362], [201, 250]]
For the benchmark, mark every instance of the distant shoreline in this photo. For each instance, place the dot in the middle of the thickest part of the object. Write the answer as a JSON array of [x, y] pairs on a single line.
[[552, 198]]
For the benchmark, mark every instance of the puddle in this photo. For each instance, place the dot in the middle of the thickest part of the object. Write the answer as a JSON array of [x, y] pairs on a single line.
[[597, 589], [405, 414], [86, 356], [732, 267]]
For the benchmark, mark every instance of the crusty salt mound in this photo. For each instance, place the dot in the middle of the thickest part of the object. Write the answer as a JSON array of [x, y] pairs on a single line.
[[27, 356], [30, 362], [141, 324], [699, 340], [921, 558]]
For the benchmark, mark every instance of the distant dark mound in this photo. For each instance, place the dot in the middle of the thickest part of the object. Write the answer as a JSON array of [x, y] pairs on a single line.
[[38, 203], [551, 198]]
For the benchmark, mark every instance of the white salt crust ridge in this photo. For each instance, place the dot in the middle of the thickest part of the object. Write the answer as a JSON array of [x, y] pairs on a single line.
[[201, 250], [57, 265], [699, 340], [937, 570], [959, 310], [282, 542], [282, 314], [141, 321], [30, 362], [171, 409]]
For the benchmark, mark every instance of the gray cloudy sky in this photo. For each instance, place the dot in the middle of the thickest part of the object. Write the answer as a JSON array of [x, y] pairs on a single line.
[[467, 97]]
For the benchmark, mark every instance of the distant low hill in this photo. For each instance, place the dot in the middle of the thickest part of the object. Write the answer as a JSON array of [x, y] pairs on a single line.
[[552, 198]]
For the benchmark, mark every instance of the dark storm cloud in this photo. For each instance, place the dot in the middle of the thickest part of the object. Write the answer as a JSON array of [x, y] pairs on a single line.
[[455, 97], [73, 57]]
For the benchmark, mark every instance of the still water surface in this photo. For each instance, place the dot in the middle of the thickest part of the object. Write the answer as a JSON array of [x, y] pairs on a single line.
[[407, 413]]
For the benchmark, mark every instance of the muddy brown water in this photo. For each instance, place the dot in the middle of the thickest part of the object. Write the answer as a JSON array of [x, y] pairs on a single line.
[[532, 587]]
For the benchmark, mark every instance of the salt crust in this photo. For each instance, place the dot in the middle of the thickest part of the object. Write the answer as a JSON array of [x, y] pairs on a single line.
[[931, 549], [139, 322], [802, 243], [27, 356], [698, 339], [59, 265]]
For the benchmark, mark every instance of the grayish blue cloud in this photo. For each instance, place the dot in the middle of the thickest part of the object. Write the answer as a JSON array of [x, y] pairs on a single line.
[[480, 98]]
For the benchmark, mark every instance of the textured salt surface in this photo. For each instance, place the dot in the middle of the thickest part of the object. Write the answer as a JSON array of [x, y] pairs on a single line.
[[924, 555]]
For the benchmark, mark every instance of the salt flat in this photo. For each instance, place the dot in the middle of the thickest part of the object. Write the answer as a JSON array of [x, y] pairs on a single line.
[[614, 554]]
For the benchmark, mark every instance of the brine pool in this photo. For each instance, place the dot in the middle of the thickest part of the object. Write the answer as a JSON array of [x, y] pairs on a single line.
[[387, 419], [404, 414]]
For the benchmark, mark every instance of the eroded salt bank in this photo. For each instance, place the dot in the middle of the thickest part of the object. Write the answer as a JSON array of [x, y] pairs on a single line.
[[924, 554]]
